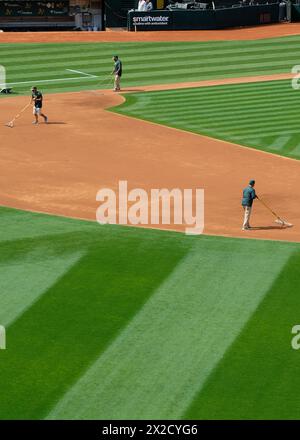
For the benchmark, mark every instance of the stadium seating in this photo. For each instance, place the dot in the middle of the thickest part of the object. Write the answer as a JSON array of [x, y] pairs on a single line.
[[36, 23]]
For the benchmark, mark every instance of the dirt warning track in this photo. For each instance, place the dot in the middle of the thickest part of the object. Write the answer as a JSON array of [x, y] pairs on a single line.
[[251, 33], [58, 168]]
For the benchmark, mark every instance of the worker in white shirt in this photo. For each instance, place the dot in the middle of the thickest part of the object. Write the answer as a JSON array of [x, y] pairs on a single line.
[[142, 6]]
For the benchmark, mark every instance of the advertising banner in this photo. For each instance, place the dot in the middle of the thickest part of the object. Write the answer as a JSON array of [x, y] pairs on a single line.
[[203, 19], [156, 20]]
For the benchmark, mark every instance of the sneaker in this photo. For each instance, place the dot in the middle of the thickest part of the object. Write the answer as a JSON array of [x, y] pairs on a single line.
[[46, 119], [35, 122]]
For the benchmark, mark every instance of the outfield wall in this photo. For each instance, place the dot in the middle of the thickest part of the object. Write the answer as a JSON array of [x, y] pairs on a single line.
[[295, 12], [203, 19]]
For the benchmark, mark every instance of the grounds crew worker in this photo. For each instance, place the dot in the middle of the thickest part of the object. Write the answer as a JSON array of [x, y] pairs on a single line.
[[117, 72], [37, 99], [248, 196]]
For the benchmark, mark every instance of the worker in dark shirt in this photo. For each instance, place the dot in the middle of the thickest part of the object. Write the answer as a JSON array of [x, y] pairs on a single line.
[[37, 100], [149, 6], [117, 72], [248, 196]]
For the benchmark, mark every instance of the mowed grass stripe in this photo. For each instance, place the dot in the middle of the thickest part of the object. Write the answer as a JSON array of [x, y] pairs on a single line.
[[81, 318], [259, 125], [155, 47], [131, 80], [148, 55], [159, 362], [20, 285], [147, 63], [155, 70], [206, 106], [249, 110], [271, 89], [236, 112], [278, 132], [18, 226], [248, 90], [240, 115], [264, 128], [211, 101], [257, 378], [209, 116], [182, 64], [53, 342], [249, 98], [236, 118], [256, 117]]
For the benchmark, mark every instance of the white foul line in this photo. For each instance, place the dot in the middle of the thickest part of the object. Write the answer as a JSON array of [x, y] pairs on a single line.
[[82, 73]]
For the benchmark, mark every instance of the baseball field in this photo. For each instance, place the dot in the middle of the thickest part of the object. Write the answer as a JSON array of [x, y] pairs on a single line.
[[130, 322]]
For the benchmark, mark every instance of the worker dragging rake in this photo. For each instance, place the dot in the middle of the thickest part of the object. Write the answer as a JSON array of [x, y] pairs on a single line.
[[37, 101], [11, 123], [249, 195]]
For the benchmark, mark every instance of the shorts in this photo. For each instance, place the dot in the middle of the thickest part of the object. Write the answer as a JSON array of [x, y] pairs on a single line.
[[37, 110]]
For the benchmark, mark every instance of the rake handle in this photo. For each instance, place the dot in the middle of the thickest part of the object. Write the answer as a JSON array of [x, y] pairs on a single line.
[[268, 207], [106, 79], [20, 112]]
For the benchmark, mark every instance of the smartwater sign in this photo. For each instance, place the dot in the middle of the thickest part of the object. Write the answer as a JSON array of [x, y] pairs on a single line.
[[146, 21]]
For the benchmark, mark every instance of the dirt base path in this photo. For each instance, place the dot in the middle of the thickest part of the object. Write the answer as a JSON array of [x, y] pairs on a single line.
[[252, 33], [58, 168]]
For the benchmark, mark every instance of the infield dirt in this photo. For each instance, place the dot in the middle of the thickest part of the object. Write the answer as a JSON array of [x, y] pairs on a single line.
[[59, 167]]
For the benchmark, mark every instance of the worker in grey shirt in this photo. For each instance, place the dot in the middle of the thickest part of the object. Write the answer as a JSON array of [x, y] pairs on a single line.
[[117, 72], [248, 196], [149, 5]]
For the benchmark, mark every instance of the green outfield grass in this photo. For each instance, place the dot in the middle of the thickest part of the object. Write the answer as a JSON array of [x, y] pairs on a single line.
[[262, 115], [144, 63], [116, 322]]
